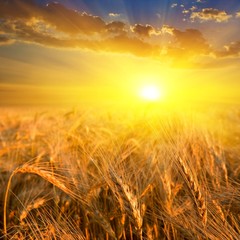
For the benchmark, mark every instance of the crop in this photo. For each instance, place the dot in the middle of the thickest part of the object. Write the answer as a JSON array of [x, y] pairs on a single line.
[[83, 175]]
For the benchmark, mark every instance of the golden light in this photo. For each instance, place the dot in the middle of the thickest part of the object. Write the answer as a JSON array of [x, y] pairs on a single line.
[[150, 93]]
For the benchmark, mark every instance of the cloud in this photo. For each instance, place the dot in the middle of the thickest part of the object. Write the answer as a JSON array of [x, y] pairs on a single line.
[[40, 33], [114, 15], [183, 48], [174, 5], [231, 50], [167, 29], [191, 41], [210, 14], [128, 44], [185, 11], [23, 9], [54, 25], [159, 16], [71, 21], [4, 40], [144, 31], [62, 18], [193, 8], [120, 43], [116, 27]]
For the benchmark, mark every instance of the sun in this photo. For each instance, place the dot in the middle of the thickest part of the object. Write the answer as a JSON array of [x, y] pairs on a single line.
[[150, 93]]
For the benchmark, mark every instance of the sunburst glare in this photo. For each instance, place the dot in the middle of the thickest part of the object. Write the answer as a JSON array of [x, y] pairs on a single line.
[[151, 93]]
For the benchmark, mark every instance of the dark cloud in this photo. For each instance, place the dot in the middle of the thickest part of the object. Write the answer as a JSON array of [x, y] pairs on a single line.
[[142, 30], [211, 14]]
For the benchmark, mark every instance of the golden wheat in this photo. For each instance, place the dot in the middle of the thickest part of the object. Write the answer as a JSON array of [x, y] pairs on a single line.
[[116, 178]]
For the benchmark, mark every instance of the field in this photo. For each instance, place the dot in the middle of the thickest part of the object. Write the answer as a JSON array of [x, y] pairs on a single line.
[[143, 174]]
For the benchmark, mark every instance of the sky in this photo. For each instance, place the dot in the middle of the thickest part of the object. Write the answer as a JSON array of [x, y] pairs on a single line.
[[79, 50]]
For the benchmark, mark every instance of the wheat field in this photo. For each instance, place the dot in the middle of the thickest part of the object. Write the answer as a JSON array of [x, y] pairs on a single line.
[[87, 175]]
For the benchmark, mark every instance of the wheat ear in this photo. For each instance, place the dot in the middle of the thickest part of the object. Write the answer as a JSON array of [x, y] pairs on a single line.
[[129, 200], [104, 223], [37, 204], [196, 192]]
